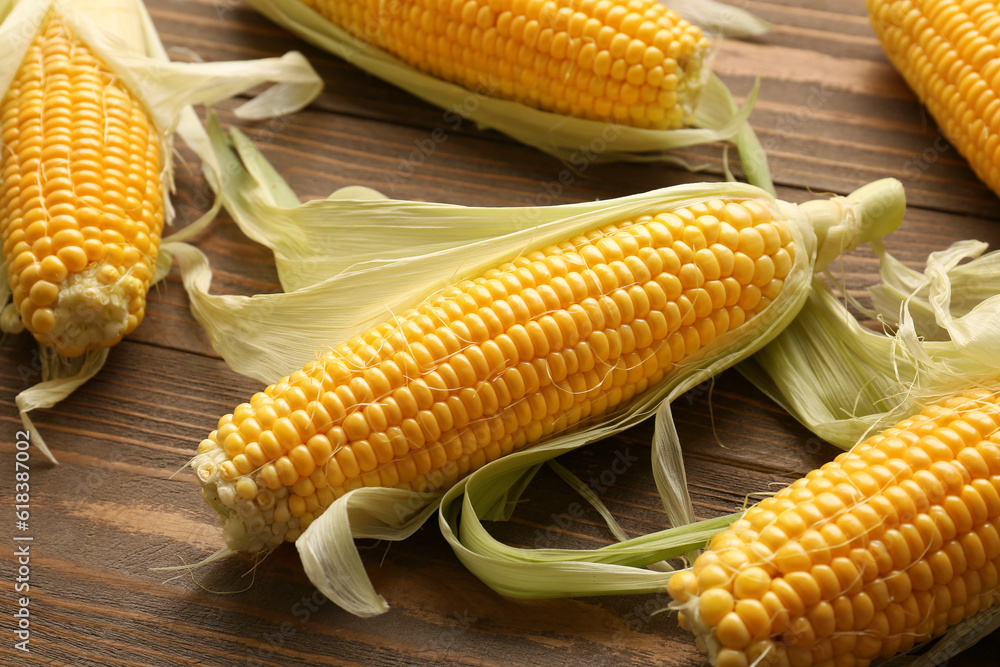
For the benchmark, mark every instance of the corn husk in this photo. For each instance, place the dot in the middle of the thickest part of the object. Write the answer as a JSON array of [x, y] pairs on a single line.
[[351, 261], [122, 34], [944, 341], [574, 140]]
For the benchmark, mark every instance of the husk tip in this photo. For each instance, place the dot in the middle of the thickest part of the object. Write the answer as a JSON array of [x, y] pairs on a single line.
[[880, 206]]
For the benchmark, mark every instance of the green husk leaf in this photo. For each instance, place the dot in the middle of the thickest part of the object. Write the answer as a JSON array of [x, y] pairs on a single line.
[[842, 380], [668, 467], [953, 299], [341, 289], [574, 140], [616, 569], [121, 33], [717, 18], [971, 283]]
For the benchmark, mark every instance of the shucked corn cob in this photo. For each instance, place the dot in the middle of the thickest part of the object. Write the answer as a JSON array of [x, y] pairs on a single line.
[[887, 546], [81, 204], [634, 62], [491, 365], [947, 52]]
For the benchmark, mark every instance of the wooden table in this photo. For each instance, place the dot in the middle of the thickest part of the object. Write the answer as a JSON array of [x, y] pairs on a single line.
[[832, 113]]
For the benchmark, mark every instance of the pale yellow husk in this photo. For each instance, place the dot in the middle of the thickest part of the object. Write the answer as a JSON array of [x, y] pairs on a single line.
[[122, 34], [336, 258]]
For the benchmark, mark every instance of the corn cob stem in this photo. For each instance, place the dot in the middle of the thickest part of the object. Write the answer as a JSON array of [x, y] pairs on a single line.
[[885, 547]]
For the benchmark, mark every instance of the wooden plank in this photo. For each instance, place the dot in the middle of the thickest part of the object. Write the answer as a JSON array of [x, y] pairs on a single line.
[[832, 114]]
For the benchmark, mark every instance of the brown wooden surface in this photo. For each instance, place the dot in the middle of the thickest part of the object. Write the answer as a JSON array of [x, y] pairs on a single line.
[[833, 115]]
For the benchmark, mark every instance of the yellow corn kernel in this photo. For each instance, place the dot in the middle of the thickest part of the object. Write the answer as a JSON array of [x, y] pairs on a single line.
[[846, 572], [714, 604]]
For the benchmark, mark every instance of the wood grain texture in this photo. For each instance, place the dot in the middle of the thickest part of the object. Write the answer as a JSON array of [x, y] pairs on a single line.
[[832, 114]]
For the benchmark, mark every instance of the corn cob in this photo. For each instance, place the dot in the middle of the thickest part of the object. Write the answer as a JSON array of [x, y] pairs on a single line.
[[885, 547], [633, 62], [493, 364], [947, 52], [81, 204]]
